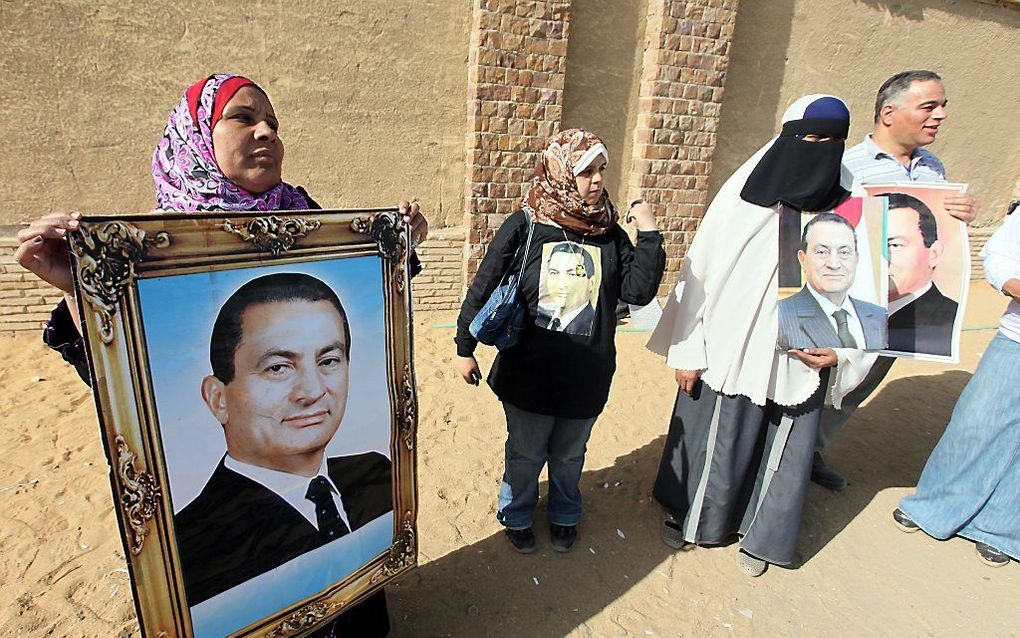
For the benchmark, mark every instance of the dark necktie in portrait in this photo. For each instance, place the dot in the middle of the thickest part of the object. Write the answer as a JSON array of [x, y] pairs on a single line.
[[327, 514]]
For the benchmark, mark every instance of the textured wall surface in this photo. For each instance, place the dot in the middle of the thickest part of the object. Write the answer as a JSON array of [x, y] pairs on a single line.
[[783, 49], [604, 55], [515, 93], [686, 57], [376, 103], [370, 96], [647, 76]]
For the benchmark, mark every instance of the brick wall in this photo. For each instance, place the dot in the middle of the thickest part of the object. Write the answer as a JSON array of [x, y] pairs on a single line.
[[978, 237], [441, 283], [686, 56], [516, 66], [516, 72], [25, 301]]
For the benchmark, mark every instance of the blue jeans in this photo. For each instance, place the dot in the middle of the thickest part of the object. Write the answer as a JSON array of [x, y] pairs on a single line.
[[970, 486], [532, 441]]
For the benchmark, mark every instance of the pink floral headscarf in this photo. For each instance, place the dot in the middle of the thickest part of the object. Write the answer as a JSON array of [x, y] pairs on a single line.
[[184, 167], [553, 194]]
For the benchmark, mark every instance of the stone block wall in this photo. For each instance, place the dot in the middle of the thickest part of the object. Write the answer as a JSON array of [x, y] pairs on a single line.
[[516, 67], [686, 56], [440, 284], [25, 301]]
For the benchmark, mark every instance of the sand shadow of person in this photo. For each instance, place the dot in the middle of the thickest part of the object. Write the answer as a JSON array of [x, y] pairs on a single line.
[[487, 589], [886, 445]]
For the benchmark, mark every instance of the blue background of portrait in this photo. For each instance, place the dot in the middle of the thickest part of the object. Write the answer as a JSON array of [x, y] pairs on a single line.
[[178, 314]]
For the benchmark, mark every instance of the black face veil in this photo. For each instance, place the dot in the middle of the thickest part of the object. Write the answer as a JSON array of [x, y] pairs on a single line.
[[798, 173]]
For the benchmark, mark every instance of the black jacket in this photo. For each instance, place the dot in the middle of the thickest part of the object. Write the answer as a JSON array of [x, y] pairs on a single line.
[[236, 529], [925, 325], [555, 372]]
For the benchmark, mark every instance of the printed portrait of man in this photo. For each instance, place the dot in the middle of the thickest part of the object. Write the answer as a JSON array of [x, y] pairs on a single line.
[[280, 354], [569, 279], [921, 318], [822, 314]]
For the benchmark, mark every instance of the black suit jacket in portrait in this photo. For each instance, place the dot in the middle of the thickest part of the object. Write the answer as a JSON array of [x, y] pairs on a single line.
[[237, 529], [579, 325], [925, 325], [803, 324]]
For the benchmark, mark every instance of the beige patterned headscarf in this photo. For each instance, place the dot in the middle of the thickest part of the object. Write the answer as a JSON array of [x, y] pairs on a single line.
[[553, 194]]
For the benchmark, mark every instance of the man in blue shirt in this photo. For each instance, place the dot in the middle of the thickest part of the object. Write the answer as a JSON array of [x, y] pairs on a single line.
[[909, 110]]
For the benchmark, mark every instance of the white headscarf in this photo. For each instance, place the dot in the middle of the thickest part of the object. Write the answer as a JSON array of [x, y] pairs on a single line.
[[723, 318]]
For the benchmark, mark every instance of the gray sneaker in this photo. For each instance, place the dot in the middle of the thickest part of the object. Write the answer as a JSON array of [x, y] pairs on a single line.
[[751, 565], [991, 556], [904, 522]]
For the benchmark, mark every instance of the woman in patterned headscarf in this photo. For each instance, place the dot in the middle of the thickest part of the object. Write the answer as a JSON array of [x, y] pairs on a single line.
[[220, 150], [577, 262]]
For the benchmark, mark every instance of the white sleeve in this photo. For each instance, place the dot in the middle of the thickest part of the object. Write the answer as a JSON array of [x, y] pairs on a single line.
[[1001, 255], [850, 372]]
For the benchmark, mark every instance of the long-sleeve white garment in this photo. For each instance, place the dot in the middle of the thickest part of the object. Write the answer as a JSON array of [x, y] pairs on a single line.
[[723, 318], [1001, 256]]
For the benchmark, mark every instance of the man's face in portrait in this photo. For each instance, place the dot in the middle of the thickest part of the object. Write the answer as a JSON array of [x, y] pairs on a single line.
[[289, 390], [911, 263], [830, 261], [568, 282]]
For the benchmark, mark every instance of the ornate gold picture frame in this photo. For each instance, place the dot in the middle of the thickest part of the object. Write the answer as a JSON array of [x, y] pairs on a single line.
[[149, 288]]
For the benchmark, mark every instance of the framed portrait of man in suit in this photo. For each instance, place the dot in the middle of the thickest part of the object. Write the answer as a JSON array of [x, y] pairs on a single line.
[[928, 261], [253, 377], [830, 271]]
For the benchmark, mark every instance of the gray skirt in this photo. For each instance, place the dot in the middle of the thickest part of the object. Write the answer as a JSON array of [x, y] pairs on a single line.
[[732, 467]]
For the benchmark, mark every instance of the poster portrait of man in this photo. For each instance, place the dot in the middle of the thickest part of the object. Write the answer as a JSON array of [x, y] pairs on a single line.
[[928, 262], [279, 353], [823, 314], [275, 422], [568, 287], [921, 317]]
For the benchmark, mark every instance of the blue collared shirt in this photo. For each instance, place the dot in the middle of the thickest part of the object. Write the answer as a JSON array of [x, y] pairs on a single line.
[[871, 165]]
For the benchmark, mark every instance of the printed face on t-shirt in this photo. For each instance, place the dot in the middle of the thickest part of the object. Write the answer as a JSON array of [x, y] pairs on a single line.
[[568, 287], [569, 281]]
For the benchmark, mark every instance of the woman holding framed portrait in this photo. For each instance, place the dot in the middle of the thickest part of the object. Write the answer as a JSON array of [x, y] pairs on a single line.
[[220, 151]]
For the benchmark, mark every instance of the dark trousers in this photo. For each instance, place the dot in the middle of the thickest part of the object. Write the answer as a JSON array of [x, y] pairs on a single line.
[[834, 420]]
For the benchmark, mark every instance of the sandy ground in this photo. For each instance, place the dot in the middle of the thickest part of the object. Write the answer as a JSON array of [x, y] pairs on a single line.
[[62, 569]]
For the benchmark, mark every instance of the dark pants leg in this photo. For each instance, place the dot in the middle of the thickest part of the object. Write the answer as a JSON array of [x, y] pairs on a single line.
[[772, 520], [367, 619], [834, 420], [709, 462], [532, 440]]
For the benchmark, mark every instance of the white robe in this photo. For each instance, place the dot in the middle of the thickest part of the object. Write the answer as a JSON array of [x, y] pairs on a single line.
[[723, 318]]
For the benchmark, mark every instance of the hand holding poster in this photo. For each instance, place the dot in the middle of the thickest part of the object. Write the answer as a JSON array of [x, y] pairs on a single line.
[[929, 269]]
